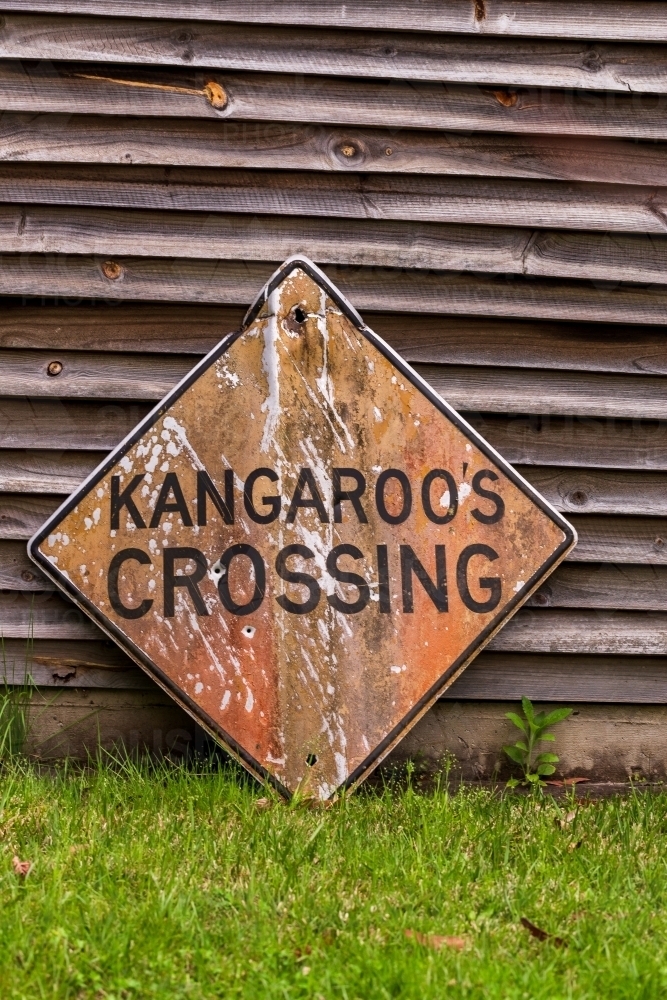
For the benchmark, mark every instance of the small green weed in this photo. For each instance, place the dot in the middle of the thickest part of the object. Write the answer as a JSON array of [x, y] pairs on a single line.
[[534, 727]]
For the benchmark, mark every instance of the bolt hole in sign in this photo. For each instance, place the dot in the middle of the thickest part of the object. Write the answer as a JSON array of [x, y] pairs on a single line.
[[303, 544]]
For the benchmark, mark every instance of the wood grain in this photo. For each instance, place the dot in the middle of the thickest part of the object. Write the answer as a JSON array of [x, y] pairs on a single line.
[[604, 585], [165, 92], [538, 439], [523, 390], [467, 200], [600, 633], [605, 443], [139, 328], [17, 571], [294, 49], [92, 374], [620, 567], [550, 630], [149, 377], [63, 277], [46, 472], [629, 19], [21, 515], [571, 490], [195, 329], [620, 539], [59, 423], [56, 229], [603, 679], [63, 664], [600, 491], [88, 139], [492, 676]]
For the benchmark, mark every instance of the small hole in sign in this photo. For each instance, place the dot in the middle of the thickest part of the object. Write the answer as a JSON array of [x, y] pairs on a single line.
[[248, 631], [311, 759], [217, 570], [299, 314]]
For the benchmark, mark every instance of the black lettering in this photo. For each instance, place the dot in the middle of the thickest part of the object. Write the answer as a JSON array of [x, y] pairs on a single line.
[[259, 571], [448, 478], [206, 488], [303, 579], [383, 478], [498, 502], [436, 591], [383, 578], [165, 506], [271, 501], [306, 478], [343, 576], [490, 583], [171, 581], [354, 496], [112, 582], [124, 499]]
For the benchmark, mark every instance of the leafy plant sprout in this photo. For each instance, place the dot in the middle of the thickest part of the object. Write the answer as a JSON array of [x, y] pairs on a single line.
[[535, 766]]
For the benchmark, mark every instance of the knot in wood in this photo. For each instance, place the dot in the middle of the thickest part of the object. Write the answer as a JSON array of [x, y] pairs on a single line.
[[215, 95], [506, 98], [348, 150], [111, 270], [54, 368]]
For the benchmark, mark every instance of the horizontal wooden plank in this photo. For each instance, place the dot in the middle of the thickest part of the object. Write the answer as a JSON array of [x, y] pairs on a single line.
[[150, 377], [89, 374], [195, 329], [137, 327], [600, 633], [295, 146], [605, 443], [479, 201], [491, 677], [45, 472], [17, 571], [539, 439], [295, 49], [628, 19], [58, 664], [371, 289], [21, 515], [604, 585], [600, 491], [58, 423], [56, 229], [605, 679], [526, 390], [586, 584], [25, 615], [550, 630], [147, 91], [620, 539]]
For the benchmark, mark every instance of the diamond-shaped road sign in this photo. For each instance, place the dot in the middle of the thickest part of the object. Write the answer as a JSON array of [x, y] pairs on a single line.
[[303, 543]]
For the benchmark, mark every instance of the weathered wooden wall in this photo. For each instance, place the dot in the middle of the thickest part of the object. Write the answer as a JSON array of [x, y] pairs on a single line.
[[485, 179]]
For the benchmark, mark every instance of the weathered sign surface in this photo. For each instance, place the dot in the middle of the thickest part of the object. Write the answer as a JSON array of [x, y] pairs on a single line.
[[303, 543]]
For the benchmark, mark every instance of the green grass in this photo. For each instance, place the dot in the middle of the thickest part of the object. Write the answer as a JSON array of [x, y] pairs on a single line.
[[169, 882]]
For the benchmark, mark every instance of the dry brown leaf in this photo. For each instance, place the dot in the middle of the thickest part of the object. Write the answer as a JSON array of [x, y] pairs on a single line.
[[262, 803], [566, 820], [21, 867], [574, 845], [541, 935], [436, 941]]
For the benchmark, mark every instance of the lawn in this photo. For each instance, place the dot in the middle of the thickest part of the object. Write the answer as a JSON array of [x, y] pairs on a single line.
[[178, 882]]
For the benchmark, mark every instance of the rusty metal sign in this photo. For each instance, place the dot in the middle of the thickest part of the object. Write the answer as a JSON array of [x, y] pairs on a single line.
[[303, 543]]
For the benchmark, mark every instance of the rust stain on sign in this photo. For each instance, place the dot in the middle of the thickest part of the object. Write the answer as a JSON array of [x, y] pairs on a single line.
[[303, 543]]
